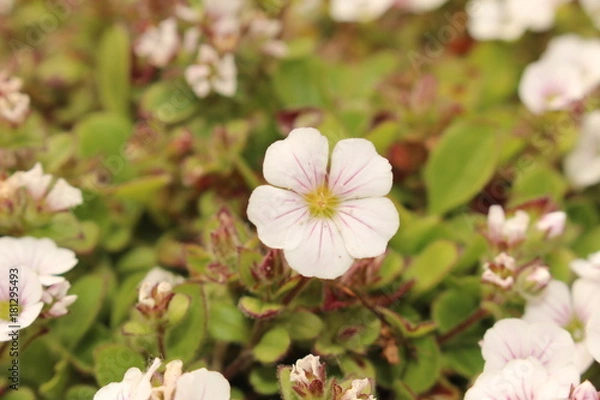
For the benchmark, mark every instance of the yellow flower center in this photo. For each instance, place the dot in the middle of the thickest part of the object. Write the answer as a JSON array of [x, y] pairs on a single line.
[[322, 203], [577, 330], [5, 310]]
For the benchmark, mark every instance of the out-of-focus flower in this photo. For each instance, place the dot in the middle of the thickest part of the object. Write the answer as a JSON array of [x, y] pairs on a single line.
[[60, 197], [56, 295], [202, 384], [570, 310], [323, 221], [172, 373], [212, 73], [550, 86], [523, 379], [533, 279], [419, 6], [501, 272], [265, 31], [588, 268], [157, 287], [553, 224], [509, 231], [308, 376], [358, 10], [14, 105], [592, 8], [134, 386], [585, 391], [42, 256], [6, 6], [18, 280], [582, 164], [159, 44], [357, 391]]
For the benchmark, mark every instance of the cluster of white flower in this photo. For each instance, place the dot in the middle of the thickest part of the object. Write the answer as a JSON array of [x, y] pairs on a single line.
[[36, 185], [200, 384], [529, 361], [14, 105], [509, 19], [156, 289], [324, 220], [567, 71], [220, 25], [30, 269], [369, 10], [582, 164]]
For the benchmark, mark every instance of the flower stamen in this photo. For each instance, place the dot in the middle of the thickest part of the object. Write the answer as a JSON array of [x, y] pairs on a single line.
[[322, 203]]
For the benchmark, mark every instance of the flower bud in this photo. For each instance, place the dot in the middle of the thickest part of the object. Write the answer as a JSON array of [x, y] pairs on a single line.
[[534, 279], [500, 272], [308, 376], [552, 224]]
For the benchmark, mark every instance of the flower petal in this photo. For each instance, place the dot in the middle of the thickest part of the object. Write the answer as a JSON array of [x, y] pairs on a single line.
[[593, 336], [279, 216], [202, 384], [367, 225], [298, 162], [321, 252], [586, 297], [357, 170], [553, 305]]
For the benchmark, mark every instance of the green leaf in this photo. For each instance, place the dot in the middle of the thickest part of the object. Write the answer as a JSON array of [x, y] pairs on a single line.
[[432, 265], [55, 387], [124, 299], [60, 149], [227, 323], [466, 360], [303, 325], [113, 360], [272, 346], [183, 340], [91, 291], [538, 180], [114, 66], [81, 392], [140, 189], [285, 383], [461, 164], [256, 308], [170, 102], [102, 133], [299, 83], [22, 394], [406, 327], [423, 370], [264, 380], [451, 308]]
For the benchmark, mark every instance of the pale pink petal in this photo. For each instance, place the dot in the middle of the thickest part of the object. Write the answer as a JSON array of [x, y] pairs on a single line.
[[582, 359], [553, 305], [279, 215], [593, 336], [495, 222], [357, 170], [585, 391], [63, 196], [298, 162], [34, 180], [202, 384], [321, 253], [367, 225], [586, 298]]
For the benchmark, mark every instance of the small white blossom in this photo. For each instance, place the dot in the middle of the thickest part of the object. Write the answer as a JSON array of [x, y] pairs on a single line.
[[553, 224], [358, 10], [29, 295], [14, 105], [585, 391], [160, 280], [42, 256], [582, 164], [501, 272], [588, 268], [134, 386], [569, 309], [419, 6], [534, 279], [212, 73], [359, 386], [202, 384], [56, 295], [159, 44], [324, 220], [306, 369], [503, 230]]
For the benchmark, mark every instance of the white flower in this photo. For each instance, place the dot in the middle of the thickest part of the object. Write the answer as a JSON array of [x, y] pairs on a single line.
[[172, 374], [307, 369], [549, 86], [223, 8], [592, 331], [553, 224], [358, 10], [511, 230], [57, 296], [515, 339], [570, 310], [160, 279], [159, 44], [212, 73], [585, 391], [581, 53], [589, 268], [202, 384], [533, 280], [61, 197], [519, 379], [134, 386], [323, 221], [358, 388], [592, 8], [14, 107], [501, 272], [42, 256], [28, 289], [420, 6], [582, 164]]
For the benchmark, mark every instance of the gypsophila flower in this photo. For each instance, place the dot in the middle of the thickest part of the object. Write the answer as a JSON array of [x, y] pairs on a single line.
[[29, 291], [202, 384], [212, 73], [582, 164], [592, 331], [419, 6], [14, 105], [42, 256], [505, 231], [552, 224], [588, 268], [501, 272], [358, 388], [569, 309], [157, 285], [533, 279], [134, 386], [358, 10], [308, 376], [159, 44], [56, 296], [585, 391], [323, 221]]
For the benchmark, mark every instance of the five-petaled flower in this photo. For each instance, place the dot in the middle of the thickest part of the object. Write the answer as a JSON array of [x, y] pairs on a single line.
[[323, 221]]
